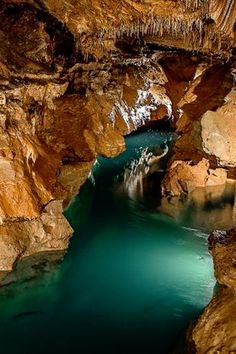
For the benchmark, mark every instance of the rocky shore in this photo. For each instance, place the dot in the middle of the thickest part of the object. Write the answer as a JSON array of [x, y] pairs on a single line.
[[220, 313]]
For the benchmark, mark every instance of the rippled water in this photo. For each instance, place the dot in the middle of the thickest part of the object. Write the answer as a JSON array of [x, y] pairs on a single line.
[[130, 283]]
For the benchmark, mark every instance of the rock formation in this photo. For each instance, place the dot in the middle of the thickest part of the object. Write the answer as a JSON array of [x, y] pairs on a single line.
[[58, 111], [215, 331], [76, 76], [184, 178]]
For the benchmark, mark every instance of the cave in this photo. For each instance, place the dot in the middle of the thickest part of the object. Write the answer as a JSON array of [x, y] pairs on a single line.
[[117, 176]]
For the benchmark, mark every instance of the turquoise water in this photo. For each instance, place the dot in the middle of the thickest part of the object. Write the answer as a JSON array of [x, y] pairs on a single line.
[[129, 284]]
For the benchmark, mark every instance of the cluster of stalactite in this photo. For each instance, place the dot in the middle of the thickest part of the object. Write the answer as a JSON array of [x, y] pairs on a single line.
[[160, 26], [196, 33], [201, 25], [224, 14], [195, 4]]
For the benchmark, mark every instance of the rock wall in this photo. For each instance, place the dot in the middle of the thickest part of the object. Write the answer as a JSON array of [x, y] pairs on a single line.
[[50, 137], [215, 331], [76, 76], [204, 158], [59, 111], [205, 121], [100, 24]]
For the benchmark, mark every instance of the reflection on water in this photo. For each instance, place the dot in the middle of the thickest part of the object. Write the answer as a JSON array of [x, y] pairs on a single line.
[[208, 208], [135, 174], [31, 267], [131, 281]]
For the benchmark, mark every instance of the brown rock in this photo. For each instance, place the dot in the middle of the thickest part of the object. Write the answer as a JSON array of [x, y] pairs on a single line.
[[223, 251], [218, 132], [215, 330], [187, 27], [222, 217], [72, 177], [160, 113], [207, 92], [49, 232], [182, 177]]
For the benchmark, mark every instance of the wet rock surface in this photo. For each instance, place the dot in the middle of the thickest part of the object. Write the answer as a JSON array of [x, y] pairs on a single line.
[[182, 177], [58, 111], [50, 231], [215, 330], [220, 316], [75, 77], [204, 159]]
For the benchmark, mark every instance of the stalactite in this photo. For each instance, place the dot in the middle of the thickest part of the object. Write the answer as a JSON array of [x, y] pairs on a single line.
[[227, 10], [195, 4], [223, 13], [194, 32], [197, 32]]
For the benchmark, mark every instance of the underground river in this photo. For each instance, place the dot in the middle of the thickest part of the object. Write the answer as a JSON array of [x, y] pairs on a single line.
[[132, 279]]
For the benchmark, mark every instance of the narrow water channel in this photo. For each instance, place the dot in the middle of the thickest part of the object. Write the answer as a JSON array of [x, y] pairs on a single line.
[[131, 280]]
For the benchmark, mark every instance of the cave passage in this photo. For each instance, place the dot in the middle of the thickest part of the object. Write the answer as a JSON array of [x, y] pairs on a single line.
[[130, 282]]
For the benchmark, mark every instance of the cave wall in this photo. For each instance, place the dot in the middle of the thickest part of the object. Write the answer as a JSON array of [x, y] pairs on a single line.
[[76, 76], [58, 111]]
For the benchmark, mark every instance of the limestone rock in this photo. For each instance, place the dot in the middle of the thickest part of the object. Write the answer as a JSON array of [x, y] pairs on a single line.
[[75, 76], [72, 177], [160, 113], [218, 133], [182, 177], [171, 22], [206, 92], [215, 330], [223, 249], [49, 232]]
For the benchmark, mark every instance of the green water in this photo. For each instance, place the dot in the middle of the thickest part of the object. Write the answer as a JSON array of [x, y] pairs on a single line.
[[130, 283]]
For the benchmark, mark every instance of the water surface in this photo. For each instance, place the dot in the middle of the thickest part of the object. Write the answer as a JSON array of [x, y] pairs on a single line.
[[130, 283]]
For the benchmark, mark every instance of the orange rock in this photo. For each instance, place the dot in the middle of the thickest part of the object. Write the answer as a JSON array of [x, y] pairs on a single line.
[[49, 232], [160, 113], [220, 217], [182, 177], [215, 330], [218, 132]]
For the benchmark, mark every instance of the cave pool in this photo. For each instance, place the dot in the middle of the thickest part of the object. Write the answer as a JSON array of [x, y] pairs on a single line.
[[131, 281]]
